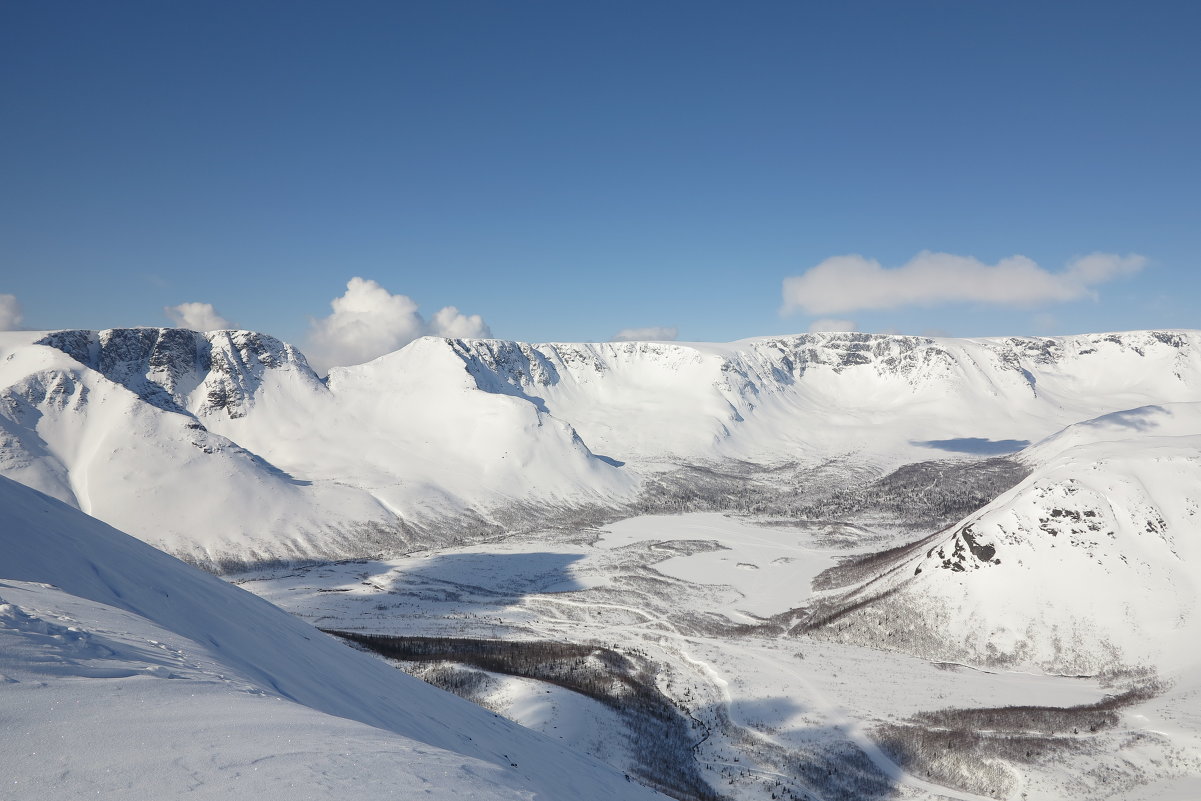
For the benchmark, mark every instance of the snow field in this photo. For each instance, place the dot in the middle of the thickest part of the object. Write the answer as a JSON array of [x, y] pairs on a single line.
[[762, 696], [130, 674]]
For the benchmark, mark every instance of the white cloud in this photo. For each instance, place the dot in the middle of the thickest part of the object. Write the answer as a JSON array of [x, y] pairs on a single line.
[[10, 313], [369, 321], [197, 317], [448, 322], [851, 283], [649, 334], [818, 326]]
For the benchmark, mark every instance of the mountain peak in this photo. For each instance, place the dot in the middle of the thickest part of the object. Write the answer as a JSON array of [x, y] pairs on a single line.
[[179, 370]]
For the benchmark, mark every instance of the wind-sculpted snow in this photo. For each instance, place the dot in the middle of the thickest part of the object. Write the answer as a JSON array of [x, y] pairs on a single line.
[[226, 447], [126, 673], [1089, 565]]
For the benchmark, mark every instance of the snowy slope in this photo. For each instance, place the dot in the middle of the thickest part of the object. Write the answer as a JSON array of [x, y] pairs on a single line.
[[225, 446], [891, 399], [416, 432], [1092, 563], [124, 672], [112, 423]]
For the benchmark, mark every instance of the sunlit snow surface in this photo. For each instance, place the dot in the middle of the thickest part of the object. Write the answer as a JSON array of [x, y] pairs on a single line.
[[455, 438], [673, 586], [224, 446], [127, 674]]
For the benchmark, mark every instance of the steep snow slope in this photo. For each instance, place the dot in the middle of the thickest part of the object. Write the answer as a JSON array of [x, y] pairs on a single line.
[[891, 399], [1090, 564], [124, 671], [130, 426], [225, 446], [103, 422], [415, 431]]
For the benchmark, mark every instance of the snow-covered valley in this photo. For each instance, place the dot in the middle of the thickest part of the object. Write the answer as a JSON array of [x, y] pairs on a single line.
[[226, 449], [824, 566], [711, 602]]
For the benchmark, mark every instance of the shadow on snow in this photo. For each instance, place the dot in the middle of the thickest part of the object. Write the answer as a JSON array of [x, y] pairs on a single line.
[[975, 445]]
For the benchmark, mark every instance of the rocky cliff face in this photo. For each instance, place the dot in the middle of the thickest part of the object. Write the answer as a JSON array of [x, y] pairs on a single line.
[[683, 400], [771, 364], [183, 371], [766, 364]]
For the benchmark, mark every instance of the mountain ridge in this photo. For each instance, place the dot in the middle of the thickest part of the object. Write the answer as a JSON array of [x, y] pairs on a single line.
[[448, 430]]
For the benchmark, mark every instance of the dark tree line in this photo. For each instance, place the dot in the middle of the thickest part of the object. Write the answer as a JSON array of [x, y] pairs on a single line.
[[919, 495], [960, 747], [664, 736]]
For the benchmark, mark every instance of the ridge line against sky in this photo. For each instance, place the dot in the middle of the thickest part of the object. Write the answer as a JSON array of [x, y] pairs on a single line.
[[368, 321], [544, 171]]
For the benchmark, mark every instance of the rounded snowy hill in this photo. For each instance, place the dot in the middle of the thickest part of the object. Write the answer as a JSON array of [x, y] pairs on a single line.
[[225, 447], [1091, 564]]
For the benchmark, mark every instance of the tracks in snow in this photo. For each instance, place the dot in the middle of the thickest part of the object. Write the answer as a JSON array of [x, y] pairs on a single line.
[[673, 643]]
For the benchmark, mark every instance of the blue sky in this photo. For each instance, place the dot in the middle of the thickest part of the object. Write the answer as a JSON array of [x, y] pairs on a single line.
[[569, 170]]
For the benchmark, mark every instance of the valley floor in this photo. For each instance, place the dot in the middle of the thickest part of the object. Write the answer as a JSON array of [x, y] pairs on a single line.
[[701, 604]]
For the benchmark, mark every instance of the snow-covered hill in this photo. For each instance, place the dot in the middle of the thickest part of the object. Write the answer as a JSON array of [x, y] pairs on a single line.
[[226, 447], [889, 399], [1092, 563], [126, 673]]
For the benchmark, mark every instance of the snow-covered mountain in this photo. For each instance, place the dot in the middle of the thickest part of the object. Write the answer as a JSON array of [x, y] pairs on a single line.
[[1092, 563], [891, 399], [226, 448], [226, 445], [126, 673]]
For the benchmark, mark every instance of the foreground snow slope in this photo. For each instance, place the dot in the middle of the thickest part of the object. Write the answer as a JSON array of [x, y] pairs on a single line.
[[126, 672], [226, 446], [1092, 563]]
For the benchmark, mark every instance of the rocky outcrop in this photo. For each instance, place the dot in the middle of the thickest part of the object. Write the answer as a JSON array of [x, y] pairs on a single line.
[[183, 371]]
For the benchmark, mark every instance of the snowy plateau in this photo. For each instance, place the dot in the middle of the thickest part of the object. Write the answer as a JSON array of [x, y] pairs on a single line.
[[824, 566]]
